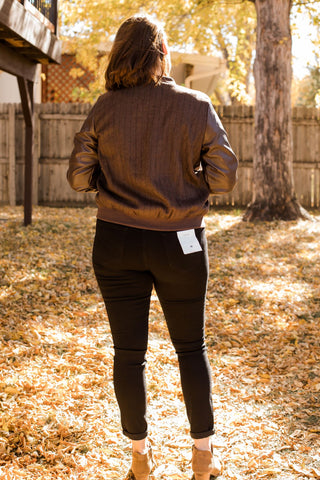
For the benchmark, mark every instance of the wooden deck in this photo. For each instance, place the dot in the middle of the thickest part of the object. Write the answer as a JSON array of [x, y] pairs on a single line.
[[25, 31], [27, 37]]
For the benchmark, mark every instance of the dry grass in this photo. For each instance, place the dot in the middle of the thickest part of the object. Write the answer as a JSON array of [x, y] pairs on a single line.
[[59, 419]]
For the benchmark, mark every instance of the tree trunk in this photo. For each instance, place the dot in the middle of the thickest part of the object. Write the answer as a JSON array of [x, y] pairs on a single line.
[[273, 187]]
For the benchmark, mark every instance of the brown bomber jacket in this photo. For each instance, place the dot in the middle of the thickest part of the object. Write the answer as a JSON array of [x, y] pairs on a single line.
[[153, 154]]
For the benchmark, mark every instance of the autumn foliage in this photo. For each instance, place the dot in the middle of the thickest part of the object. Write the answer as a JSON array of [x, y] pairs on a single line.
[[59, 418]]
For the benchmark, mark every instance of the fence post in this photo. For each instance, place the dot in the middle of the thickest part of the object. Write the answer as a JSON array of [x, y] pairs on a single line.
[[36, 156], [12, 155], [26, 94]]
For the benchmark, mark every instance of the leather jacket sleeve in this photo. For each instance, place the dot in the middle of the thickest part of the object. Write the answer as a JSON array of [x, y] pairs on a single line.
[[84, 168], [219, 163]]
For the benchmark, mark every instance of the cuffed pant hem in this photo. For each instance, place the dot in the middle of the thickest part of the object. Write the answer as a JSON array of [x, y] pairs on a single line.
[[135, 436], [206, 434]]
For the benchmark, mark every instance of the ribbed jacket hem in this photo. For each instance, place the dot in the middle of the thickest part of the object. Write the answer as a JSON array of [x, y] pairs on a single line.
[[157, 223]]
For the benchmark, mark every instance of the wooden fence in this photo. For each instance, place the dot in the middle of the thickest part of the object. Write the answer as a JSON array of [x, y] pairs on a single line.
[[56, 124]]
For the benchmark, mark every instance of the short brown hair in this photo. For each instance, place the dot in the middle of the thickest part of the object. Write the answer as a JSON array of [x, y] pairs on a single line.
[[136, 53]]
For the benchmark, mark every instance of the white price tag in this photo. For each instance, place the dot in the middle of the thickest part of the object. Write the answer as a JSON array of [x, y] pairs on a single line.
[[188, 241]]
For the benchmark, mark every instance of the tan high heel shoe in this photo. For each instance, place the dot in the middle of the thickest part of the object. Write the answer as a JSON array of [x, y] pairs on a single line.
[[205, 464], [141, 466]]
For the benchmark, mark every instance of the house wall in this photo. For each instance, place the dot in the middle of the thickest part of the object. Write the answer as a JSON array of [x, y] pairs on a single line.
[[56, 124], [207, 84], [9, 90], [178, 72]]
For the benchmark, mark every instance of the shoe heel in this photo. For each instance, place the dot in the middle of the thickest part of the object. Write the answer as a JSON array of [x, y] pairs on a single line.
[[202, 476]]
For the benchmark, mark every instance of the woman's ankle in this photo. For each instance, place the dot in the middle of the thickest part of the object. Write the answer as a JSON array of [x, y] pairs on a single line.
[[202, 443], [140, 446]]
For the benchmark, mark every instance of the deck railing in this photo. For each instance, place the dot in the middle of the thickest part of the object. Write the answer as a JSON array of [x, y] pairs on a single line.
[[48, 10]]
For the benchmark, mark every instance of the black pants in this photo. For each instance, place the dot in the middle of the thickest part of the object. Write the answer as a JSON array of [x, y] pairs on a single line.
[[128, 262]]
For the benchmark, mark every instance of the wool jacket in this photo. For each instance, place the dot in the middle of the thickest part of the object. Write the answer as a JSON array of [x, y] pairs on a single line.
[[153, 154]]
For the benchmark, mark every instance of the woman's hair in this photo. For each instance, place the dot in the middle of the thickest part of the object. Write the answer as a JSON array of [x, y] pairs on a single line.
[[137, 54]]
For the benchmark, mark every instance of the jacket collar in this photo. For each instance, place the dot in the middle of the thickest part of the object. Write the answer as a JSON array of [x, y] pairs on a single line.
[[167, 81]]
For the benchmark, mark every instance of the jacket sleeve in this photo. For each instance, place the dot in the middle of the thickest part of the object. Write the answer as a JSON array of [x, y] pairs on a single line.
[[84, 168], [219, 163]]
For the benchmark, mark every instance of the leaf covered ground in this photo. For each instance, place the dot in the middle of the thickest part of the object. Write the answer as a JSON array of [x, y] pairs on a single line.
[[58, 415]]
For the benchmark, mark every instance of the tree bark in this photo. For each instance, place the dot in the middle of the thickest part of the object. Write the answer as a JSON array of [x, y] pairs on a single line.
[[273, 185]]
